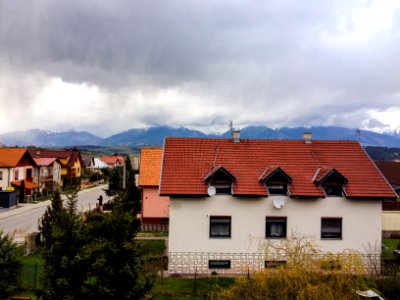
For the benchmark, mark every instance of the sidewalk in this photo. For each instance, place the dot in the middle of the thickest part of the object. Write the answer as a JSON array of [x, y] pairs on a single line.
[[24, 207]]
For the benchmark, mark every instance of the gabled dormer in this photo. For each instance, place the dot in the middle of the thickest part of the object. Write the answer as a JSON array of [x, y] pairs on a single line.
[[276, 180], [331, 181], [221, 179]]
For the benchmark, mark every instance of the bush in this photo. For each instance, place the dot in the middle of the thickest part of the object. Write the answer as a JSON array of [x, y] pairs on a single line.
[[307, 274]]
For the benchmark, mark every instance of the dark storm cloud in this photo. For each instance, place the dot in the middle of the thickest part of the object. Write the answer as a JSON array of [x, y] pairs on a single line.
[[276, 63]]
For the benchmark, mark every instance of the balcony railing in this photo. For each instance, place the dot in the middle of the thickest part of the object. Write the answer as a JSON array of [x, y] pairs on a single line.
[[391, 205]]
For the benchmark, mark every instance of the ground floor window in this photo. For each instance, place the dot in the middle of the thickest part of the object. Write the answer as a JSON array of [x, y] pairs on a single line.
[[276, 227], [331, 228], [220, 226]]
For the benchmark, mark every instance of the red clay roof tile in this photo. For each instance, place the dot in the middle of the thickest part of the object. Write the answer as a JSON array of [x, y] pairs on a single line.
[[187, 161]]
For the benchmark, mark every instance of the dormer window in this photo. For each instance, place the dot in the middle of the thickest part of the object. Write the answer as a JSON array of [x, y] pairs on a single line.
[[221, 179], [276, 181], [277, 189], [331, 181]]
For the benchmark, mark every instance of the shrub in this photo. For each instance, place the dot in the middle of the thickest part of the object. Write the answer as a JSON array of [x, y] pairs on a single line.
[[307, 274]]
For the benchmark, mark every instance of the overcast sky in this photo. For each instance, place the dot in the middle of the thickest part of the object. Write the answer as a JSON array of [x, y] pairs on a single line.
[[108, 66]]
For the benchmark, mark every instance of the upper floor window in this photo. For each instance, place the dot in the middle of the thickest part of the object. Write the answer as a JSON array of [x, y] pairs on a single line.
[[331, 181], [220, 226], [16, 175], [276, 181], [1, 175], [221, 179]]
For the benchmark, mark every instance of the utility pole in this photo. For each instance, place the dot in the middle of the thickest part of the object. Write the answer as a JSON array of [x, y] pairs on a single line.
[[124, 175]]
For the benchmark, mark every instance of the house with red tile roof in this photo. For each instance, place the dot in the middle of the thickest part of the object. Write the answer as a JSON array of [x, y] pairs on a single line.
[[155, 208], [391, 171], [113, 160], [391, 209], [70, 159], [49, 174], [17, 168], [230, 197]]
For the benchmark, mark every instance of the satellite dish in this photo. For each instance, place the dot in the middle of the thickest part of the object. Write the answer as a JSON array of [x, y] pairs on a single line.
[[212, 191], [278, 202]]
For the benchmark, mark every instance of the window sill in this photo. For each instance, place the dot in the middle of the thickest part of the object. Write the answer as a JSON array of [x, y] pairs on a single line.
[[330, 239], [220, 237], [275, 237]]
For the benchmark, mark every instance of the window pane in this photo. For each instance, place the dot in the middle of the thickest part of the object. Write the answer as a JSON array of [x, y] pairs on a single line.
[[331, 228], [220, 226], [276, 227]]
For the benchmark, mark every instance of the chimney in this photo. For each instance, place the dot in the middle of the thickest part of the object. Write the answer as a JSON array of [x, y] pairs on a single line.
[[236, 136], [307, 136]]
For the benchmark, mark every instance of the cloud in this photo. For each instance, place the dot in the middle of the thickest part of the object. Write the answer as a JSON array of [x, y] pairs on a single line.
[[196, 63]]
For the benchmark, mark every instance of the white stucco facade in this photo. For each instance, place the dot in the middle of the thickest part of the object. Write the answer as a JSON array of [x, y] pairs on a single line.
[[190, 223]]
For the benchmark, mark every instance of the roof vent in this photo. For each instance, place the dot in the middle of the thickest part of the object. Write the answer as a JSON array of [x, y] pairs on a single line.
[[307, 136], [236, 136]]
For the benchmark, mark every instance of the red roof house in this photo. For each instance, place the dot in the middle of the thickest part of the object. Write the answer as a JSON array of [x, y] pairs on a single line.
[[232, 196], [391, 171], [112, 160]]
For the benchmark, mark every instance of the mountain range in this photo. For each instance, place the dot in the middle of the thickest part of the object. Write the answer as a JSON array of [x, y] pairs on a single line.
[[156, 135]]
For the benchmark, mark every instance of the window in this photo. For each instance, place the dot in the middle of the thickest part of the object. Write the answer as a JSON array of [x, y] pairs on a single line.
[[220, 227], [276, 227], [223, 189], [219, 264], [277, 189], [333, 190], [275, 263], [331, 228], [16, 175], [1, 175]]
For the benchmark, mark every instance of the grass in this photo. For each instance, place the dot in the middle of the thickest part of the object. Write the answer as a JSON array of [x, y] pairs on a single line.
[[32, 269], [152, 247], [152, 234], [189, 288], [388, 245]]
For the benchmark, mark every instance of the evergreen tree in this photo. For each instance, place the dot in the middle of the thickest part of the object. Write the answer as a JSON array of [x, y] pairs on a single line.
[[10, 266], [114, 181], [63, 269], [130, 198], [115, 268]]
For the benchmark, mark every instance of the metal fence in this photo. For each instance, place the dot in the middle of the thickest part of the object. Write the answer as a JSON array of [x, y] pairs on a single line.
[[149, 227], [208, 263]]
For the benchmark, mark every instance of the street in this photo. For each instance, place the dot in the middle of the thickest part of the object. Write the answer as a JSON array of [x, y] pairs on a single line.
[[26, 222]]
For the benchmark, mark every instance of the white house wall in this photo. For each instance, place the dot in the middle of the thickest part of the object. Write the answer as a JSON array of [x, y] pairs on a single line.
[[189, 223], [4, 182]]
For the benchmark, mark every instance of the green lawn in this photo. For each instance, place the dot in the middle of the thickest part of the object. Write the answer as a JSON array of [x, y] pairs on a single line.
[[189, 288], [388, 245], [152, 247]]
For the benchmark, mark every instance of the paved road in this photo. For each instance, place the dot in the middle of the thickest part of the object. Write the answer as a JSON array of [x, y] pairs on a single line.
[[24, 220]]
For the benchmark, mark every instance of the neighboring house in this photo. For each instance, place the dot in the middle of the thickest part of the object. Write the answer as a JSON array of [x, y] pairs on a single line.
[[113, 161], [391, 171], [155, 208], [49, 175], [16, 169], [391, 209], [71, 162], [99, 164], [229, 197]]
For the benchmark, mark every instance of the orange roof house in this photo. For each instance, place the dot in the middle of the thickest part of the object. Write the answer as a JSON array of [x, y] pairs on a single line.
[[155, 208], [16, 164], [230, 197]]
